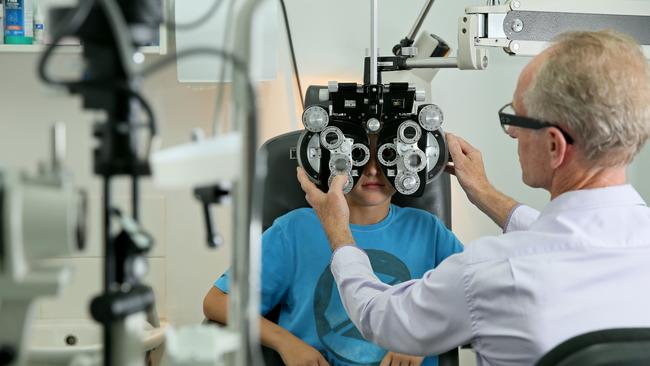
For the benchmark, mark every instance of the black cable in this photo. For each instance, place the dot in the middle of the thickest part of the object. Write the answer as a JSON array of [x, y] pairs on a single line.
[[218, 103], [73, 22], [197, 51], [171, 25], [293, 53], [153, 126], [75, 87]]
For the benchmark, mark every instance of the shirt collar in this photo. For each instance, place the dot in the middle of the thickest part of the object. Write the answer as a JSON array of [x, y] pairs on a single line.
[[621, 195]]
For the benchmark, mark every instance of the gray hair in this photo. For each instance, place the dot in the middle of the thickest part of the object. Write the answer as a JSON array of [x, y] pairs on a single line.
[[597, 86]]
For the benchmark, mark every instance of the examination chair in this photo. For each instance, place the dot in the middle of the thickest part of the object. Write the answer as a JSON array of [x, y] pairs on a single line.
[[282, 193], [609, 347]]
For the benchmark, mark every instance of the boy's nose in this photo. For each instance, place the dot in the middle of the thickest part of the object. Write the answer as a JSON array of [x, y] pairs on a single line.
[[372, 168]]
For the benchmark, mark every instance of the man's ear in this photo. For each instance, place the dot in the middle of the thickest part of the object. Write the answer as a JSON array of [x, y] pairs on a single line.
[[557, 147]]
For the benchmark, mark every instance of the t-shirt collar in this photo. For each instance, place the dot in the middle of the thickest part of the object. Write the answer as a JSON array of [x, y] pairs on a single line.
[[381, 224]]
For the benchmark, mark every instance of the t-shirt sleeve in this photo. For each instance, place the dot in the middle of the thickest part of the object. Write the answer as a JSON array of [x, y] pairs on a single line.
[[446, 242], [276, 272]]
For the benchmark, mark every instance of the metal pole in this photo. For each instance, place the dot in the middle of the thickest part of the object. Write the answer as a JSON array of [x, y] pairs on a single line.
[[420, 20], [374, 40], [109, 267], [244, 313], [433, 63]]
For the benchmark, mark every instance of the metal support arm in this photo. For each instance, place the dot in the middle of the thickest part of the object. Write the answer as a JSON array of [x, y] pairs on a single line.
[[527, 27]]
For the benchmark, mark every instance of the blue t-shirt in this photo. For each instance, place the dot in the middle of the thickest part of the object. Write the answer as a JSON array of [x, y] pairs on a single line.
[[296, 275]]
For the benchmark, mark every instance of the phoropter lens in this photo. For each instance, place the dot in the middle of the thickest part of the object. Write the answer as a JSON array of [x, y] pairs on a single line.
[[387, 154], [409, 132], [360, 154], [332, 138], [407, 183], [415, 160], [340, 164]]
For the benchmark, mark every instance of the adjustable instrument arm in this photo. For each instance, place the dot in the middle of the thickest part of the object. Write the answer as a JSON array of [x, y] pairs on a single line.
[[526, 27]]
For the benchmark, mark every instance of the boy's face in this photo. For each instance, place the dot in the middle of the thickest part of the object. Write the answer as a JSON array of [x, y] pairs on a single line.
[[373, 188]]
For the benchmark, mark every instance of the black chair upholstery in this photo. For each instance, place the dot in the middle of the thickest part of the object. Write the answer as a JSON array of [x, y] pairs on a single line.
[[282, 193], [610, 347]]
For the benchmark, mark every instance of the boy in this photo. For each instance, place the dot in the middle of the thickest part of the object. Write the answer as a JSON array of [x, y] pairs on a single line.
[[313, 328]]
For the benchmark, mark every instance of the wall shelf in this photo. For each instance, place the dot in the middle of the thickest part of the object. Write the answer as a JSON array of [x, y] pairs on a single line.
[[29, 48], [150, 50]]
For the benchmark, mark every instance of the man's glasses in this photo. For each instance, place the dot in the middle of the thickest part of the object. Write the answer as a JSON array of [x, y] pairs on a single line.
[[509, 119]]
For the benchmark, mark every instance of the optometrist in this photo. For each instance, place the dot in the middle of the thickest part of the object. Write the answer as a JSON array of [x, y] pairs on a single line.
[[580, 113]]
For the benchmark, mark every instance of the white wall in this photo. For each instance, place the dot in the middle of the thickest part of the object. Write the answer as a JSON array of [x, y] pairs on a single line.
[[330, 38]]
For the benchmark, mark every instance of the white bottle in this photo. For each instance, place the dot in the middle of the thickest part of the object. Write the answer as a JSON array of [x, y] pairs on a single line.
[[28, 17], [2, 22], [39, 24]]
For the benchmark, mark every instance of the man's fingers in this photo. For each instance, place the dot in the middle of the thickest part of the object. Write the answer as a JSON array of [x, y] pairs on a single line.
[[454, 147], [450, 168], [466, 147], [323, 362], [458, 148], [386, 360], [305, 183], [308, 200], [338, 183]]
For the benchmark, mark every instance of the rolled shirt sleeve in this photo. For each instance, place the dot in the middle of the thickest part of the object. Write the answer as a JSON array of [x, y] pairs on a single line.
[[521, 218], [421, 317]]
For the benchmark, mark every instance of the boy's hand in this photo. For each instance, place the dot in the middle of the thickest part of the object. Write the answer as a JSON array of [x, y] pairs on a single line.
[[298, 353], [398, 359], [331, 207]]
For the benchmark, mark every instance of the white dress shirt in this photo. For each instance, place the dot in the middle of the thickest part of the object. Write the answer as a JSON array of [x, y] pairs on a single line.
[[582, 264]]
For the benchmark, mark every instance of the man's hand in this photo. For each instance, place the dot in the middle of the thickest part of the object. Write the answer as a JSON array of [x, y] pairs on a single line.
[[299, 353], [397, 359], [469, 169], [331, 207]]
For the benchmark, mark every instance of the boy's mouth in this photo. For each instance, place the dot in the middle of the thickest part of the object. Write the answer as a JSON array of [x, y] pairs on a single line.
[[372, 185]]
